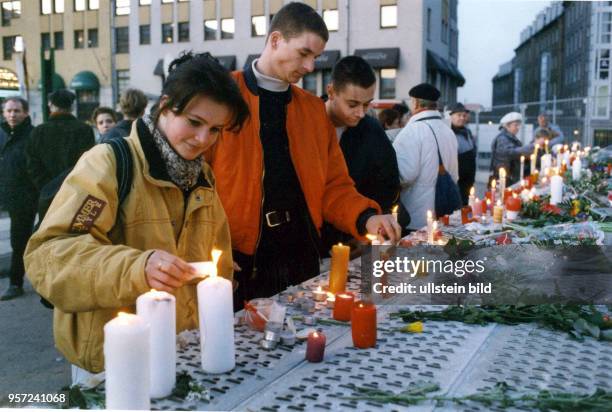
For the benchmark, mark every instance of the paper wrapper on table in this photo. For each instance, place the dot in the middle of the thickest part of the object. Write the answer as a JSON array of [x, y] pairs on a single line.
[[126, 362], [216, 310], [158, 309]]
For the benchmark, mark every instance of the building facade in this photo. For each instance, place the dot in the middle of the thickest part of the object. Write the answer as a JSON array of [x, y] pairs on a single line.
[[405, 41], [561, 67], [79, 33]]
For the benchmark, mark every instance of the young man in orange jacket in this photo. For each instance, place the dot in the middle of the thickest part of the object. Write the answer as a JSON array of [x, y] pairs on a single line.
[[284, 174]]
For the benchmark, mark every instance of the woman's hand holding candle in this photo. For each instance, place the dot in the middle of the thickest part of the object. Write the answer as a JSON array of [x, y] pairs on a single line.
[[167, 272]]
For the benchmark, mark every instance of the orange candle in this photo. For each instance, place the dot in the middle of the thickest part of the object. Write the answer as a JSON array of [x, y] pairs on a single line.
[[445, 220], [363, 325], [339, 268], [343, 306]]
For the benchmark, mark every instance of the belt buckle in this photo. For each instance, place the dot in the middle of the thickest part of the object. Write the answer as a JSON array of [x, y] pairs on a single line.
[[278, 220]]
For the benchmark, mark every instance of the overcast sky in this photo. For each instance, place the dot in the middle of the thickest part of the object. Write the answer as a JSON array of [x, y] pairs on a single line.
[[489, 31]]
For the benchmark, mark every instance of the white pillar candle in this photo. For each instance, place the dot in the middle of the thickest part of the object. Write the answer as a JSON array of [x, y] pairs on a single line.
[[533, 163], [158, 309], [502, 183], [394, 213], [126, 362], [431, 237], [576, 168], [429, 226], [472, 197], [545, 162], [522, 168], [556, 189], [216, 310], [566, 156], [493, 185]]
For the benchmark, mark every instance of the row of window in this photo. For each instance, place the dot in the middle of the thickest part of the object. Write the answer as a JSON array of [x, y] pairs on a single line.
[[10, 44]]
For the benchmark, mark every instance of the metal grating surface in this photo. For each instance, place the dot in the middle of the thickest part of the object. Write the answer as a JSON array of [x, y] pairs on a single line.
[[462, 359]]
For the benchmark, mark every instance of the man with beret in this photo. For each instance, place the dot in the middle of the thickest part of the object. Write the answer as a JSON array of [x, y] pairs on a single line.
[[417, 147], [56, 145], [466, 147]]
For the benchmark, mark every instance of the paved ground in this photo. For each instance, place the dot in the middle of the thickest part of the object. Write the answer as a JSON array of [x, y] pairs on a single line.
[[28, 360]]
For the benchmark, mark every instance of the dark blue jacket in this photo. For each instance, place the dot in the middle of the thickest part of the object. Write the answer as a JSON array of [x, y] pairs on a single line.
[[16, 189]]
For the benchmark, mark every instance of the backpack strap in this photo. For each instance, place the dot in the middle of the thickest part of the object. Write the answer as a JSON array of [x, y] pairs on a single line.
[[125, 166], [441, 168]]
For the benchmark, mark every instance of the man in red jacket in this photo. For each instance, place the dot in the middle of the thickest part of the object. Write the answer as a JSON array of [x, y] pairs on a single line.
[[284, 174]]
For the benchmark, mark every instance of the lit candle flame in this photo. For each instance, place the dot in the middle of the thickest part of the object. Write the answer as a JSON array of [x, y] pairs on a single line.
[[499, 203], [488, 202], [216, 254], [330, 296], [493, 184], [472, 191], [502, 172], [429, 215], [522, 159], [514, 195], [371, 238], [394, 209], [319, 289]]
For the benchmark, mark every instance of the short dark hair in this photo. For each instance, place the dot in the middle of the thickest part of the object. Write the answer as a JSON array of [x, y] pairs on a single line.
[[103, 110], [62, 99], [24, 103], [133, 103], [296, 18], [401, 108], [543, 133], [388, 116], [192, 75], [352, 70]]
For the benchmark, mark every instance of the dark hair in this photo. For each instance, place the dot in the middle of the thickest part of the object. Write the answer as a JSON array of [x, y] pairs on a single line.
[[543, 133], [296, 18], [352, 70], [192, 75], [133, 103], [103, 110], [401, 108], [388, 116], [24, 103], [62, 99]]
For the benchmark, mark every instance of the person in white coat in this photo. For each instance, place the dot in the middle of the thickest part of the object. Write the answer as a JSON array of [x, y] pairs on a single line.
[[417, 155]]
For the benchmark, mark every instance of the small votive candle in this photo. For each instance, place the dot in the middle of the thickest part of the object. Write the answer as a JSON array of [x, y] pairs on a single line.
[[343, 306], [319, 295], [331, 300], [315, 347]]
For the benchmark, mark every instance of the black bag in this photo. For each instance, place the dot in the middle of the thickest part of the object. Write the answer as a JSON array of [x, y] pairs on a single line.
[[125, 175], [448, 197]]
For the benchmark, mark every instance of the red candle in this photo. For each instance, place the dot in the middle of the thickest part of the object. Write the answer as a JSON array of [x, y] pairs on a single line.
[[315, 347], [513, 203], [508, 193], [343, 306], [466, 215], [363, 325], [445, 220]]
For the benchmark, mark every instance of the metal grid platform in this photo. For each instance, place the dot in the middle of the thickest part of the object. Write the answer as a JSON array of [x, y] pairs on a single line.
[[462, 359]]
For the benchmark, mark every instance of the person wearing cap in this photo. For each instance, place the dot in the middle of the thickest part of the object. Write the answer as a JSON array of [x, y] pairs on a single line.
[[56, 145], [507, 149], [417, 148], [466, 148]]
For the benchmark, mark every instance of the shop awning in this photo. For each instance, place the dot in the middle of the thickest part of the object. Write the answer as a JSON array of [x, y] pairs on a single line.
[[250, 59], [439, 64], [229, 62], [385, 58], [85, 80], [56, 83], [327, 59]]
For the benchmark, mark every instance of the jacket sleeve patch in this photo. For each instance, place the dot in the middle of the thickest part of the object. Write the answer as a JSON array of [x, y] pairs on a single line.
[[87, 214]]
